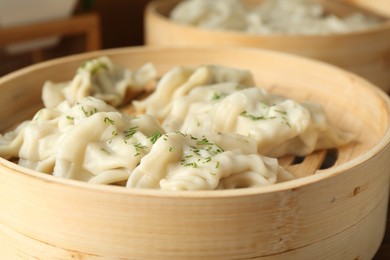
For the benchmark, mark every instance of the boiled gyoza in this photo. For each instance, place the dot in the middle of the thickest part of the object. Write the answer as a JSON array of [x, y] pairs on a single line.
[[90, 141], [181, 80], [99, 78], [203, 128], [226, 14], [305, 17], [187, 162], [279, 125]]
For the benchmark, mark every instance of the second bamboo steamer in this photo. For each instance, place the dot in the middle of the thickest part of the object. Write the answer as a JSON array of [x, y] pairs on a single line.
[[366, 52]]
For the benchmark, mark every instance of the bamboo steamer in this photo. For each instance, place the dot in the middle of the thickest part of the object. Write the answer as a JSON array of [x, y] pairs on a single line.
[[380, 6], [332, 212], [366, 53]]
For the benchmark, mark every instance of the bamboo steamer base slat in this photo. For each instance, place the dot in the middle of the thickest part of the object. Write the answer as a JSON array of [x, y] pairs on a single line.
[[366, 53], [335, 213]]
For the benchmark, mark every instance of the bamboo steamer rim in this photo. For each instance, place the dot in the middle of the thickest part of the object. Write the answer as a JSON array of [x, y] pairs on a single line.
[[290, 185], [152, 9]]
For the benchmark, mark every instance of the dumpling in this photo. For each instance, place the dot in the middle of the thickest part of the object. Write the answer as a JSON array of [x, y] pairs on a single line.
[[179, 81], [99, 78], [11, 141], [194, 110], [305, 17], [187, 162], [215, 14], [90, 141], [279, 125]]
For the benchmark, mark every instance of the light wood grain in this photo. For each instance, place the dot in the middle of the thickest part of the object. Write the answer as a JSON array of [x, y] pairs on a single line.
[[379, 6], [366, 53], [336, 213]]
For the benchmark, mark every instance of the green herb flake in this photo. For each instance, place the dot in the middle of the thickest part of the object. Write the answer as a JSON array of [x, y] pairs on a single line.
[[70, 118], [105, 151], [98, 66], [138, 147], [252, 117], [255, 118], [108, 120], [155, 136], [89, 112], [281, 112], [130, 133], [219, 149], [217, 165], [191, 164], [196, 151], [180, 133], [204, 141], [218, 96]]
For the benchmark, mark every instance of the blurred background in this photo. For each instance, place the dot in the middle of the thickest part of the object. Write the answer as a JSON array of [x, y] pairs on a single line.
[[114, 23], [75, 26]]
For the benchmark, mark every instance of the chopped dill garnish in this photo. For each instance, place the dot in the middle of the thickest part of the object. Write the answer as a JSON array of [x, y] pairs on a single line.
[[191, 164], [281, 112], [196, 151], [90, 112], [218, 96], [204, 141], [139, 147], [255, 118], [105, 151], [155, 136], [108, 120], [129, 133], [97, 67], [252, 117], [219, 150], [181, 134]]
